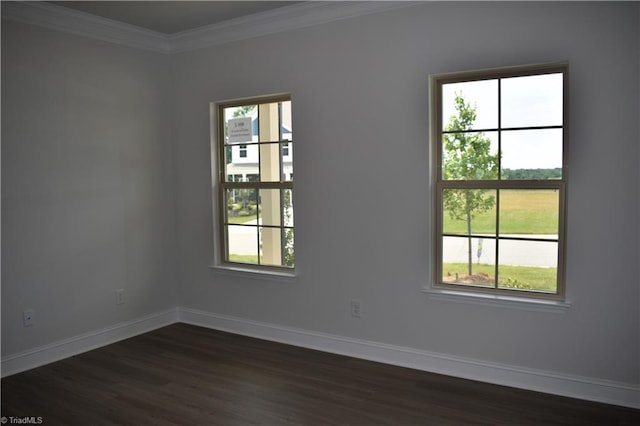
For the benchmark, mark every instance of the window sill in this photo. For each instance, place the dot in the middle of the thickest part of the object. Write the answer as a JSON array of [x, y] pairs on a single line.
[[239, 271], [523, 303]]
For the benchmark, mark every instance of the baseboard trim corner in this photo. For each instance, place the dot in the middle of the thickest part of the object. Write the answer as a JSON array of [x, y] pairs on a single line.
[[46, 354], [585, 388], [622, 394]]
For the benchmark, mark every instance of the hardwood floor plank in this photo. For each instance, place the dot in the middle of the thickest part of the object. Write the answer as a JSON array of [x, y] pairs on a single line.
[[187, 375]]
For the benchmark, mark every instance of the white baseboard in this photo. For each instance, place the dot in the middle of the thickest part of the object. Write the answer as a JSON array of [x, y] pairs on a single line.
[[623, 394], [56, 351]]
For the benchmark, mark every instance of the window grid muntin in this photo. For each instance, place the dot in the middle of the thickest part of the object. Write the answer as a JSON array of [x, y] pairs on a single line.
[[225, 184], [440, 183]]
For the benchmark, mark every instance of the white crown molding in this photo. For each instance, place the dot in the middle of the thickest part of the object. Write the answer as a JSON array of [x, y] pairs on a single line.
[[67, 20], [296, 16], [299, 15]]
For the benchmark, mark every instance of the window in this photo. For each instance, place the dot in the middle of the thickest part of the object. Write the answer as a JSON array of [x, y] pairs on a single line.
[[242, 150], [499, 144], [256, 212]]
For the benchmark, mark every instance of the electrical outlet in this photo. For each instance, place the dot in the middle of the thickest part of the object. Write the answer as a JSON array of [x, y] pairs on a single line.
[[28, 317], [356, 308], [120, 296]]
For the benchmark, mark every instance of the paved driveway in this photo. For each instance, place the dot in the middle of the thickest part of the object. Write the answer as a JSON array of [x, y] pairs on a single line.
[[244, 240], [521, 253]]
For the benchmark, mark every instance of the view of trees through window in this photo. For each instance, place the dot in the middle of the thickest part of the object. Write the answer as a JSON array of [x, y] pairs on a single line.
[[500, 180], [256, 188]]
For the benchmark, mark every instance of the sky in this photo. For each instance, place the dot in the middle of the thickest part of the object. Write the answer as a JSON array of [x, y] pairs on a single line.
[[526, 101]]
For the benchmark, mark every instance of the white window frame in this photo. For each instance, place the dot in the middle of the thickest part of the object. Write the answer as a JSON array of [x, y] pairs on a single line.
[[466, 293], [221, 182]]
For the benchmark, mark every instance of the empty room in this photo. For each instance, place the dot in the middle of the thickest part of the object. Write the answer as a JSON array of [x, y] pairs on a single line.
[[320, 213]]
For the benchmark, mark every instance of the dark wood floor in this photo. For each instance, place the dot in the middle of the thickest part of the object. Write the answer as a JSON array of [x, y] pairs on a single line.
[[186, 375]]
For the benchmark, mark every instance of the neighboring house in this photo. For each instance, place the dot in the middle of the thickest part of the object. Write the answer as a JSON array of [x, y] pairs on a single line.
[[245, 156]]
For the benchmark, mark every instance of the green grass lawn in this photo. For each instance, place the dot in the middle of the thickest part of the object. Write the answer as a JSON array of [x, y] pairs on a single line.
[[516, 277], [240, 219], [521, 212], [244, 258]]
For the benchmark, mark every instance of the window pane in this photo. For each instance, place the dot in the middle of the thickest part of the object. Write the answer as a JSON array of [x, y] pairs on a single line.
[[470, 156], [239, 111], [240, 131], [481, 96], [242, 205], [287, 161], [270, 207], [532, 154], [243, 243], [286, 127], [528, 265], [270, 246], [495, 130], [462, 264], [532, 101], [469, 211], [287, 207], [268, 128], [257, 146], [270, 162], [289, 254], [241, 160], [532, 213]]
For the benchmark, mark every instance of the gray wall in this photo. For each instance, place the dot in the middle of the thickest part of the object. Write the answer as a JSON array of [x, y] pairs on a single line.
[[360, 108], [96, 138], [87, 185]]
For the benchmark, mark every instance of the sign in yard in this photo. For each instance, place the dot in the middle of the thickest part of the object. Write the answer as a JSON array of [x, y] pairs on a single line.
[[239, 130]]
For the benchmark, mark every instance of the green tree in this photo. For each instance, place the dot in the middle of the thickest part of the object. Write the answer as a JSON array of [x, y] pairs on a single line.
[[289, 257], [467, 156], [243, 111]]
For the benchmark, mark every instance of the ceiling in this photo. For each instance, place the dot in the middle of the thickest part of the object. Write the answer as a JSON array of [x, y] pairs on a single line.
[[170, 17]]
